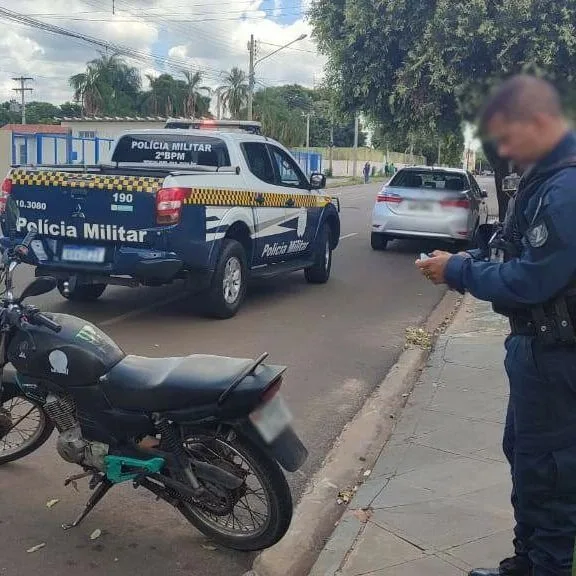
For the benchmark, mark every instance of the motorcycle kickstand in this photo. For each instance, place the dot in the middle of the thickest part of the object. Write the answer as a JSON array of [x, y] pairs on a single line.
[[101, 491]]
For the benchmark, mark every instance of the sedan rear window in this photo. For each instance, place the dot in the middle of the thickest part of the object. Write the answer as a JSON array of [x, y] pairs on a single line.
[[180, 149], [429, 179]]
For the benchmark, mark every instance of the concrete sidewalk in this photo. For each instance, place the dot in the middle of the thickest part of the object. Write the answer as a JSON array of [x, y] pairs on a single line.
[[437, 501]]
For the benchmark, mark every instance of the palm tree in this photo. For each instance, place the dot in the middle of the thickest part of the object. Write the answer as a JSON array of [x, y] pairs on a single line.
[[163, 95], [108, 86], [193, 89], [235, 91], [87, 91]]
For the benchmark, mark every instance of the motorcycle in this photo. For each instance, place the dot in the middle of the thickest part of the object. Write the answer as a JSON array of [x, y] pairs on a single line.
[[209, 435]]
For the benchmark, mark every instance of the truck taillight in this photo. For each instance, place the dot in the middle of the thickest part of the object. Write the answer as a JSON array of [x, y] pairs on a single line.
[[169, 203], [5, 191]]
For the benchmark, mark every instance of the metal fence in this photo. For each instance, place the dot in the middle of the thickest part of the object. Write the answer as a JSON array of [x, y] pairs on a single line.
[[38, 149]]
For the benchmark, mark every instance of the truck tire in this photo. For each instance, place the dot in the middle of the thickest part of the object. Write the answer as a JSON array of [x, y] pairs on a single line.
[[83, 292], [378, 241], [228, 287], [319, 272]]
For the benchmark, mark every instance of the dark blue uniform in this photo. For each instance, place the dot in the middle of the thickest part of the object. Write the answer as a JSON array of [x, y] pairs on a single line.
[[540, 433]]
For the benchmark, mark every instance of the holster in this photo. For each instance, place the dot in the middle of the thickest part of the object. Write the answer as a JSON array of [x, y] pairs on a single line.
[[552, 323]]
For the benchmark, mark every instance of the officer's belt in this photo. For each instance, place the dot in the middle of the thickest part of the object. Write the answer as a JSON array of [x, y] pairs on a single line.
[[552, 323]]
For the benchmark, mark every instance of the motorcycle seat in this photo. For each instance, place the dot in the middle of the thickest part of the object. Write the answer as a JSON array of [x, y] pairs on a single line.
[[161, 384]]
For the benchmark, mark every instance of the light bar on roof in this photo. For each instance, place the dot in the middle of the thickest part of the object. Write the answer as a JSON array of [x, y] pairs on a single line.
[[223, 125]]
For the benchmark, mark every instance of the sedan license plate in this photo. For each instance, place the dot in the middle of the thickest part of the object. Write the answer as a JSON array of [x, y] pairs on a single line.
[[420, 206], [272, 418], [90, 254]]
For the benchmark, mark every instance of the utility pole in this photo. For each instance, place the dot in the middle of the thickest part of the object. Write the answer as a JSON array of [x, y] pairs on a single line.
[[355, 157], [23, 89], [308, 116], [251, 75], [439, 150], [331, 149], [252, 48]]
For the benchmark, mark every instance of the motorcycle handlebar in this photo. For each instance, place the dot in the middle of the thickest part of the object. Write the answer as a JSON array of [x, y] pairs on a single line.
[[28, 239], [22, 248], [42, 320]]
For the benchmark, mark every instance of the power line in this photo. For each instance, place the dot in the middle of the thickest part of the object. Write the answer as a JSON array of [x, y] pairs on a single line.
[[23, 89], [131, 53]]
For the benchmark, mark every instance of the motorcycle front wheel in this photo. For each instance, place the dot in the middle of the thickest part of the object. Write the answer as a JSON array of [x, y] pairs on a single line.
[[24, 427], [253, 517]]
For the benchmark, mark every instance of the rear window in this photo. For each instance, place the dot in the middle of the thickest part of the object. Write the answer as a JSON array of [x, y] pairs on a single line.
[[435, 180], [179, 149]]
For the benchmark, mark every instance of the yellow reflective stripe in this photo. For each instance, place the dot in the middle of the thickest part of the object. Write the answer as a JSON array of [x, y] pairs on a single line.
[[21, 177], [223, 197], [196, 196]]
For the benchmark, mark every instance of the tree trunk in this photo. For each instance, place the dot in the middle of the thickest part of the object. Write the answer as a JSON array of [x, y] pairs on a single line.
[[501, 170]]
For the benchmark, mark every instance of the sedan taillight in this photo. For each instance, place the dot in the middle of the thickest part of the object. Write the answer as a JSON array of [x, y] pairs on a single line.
[[389, 198], [460, 203]]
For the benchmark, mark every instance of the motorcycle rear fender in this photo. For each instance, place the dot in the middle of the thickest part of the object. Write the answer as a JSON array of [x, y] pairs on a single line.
[[9, 388], [288, 450]]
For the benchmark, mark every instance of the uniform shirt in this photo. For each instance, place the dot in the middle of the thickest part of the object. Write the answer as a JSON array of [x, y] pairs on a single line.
[[547, 263]]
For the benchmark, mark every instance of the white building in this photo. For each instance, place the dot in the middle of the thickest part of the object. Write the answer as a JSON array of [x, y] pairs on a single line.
[[108, 127]]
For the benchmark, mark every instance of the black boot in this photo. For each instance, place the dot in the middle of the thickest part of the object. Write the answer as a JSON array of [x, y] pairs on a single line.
[[515, 566]]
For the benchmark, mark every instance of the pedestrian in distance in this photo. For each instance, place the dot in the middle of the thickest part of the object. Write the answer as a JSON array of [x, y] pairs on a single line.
[[366, 171], [534, 287]]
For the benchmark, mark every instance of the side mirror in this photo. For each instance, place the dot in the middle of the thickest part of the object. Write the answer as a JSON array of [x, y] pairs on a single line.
[[483, 193], [317, 181], [39, 286]]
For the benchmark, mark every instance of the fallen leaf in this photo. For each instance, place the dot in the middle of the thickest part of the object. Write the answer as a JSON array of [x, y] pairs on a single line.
[[36, 548], [209, 547], [345, 496], [96, 534], [52, 503], [418, 337]]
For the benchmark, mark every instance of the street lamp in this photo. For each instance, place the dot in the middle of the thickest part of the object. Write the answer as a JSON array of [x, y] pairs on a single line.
[[254, 63]]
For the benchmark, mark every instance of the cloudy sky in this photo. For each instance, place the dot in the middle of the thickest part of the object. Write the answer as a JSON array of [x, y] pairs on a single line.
[[169, 35]]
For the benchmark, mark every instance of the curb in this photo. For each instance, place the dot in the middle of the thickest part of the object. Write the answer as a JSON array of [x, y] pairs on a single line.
[[355, 450]]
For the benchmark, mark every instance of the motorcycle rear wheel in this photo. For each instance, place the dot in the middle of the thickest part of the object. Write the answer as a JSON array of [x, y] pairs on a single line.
[[24, 427], [229, 530]]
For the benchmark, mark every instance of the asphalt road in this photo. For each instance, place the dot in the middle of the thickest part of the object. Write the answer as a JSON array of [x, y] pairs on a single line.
[[339, 340]]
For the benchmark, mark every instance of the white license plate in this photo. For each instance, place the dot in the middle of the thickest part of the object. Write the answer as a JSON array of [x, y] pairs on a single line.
[[420, 206], [91, 254], [272, 418]]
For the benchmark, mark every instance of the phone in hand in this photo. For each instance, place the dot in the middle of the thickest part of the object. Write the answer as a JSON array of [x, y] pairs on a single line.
[[424, 256]]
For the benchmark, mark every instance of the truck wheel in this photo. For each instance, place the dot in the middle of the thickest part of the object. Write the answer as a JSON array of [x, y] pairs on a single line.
[[228, 287], [378, 241], [319, 273], [83, 292]]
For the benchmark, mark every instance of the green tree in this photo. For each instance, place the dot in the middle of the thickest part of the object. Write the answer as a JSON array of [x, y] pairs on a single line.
[[107, 86], [278, 120], [234, 92], [163, 98], [193, 105], [42, 113], [70, 110], [429, 65]]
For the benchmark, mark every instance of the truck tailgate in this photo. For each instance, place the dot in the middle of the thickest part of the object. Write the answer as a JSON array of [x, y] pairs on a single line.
[[85, 214]]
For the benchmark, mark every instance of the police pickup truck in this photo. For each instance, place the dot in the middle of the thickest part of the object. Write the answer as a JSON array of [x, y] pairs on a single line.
[[214, 204]]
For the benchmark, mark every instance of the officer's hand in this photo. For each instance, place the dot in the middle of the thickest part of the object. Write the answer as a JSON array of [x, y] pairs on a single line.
[[434, 267]]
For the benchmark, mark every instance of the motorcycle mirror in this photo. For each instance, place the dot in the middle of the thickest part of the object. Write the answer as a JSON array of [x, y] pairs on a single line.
[[39, 286], [11, 216]]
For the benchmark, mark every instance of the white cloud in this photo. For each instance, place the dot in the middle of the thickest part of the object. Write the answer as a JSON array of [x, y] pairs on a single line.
[[204, 34]]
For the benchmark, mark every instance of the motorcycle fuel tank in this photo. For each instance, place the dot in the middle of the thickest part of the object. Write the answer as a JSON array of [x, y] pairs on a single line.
[[78, 355]]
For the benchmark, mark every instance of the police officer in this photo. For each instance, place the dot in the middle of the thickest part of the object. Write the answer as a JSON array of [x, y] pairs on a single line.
[[535, 287]]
